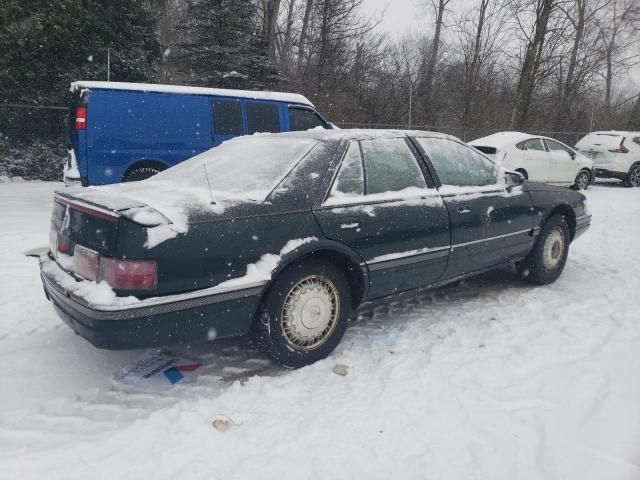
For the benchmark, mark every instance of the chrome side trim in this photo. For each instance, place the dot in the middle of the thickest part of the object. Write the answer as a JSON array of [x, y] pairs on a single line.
[[408, 260], [488, 239]]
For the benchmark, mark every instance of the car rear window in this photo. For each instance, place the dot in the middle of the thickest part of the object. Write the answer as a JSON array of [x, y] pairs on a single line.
[[227, 117], [262, 117]]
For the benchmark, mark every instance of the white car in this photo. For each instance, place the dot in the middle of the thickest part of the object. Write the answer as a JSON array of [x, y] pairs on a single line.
[[537, 158], [615, 154]]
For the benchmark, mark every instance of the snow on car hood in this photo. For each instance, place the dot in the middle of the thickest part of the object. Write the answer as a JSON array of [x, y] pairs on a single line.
[[500, 139]]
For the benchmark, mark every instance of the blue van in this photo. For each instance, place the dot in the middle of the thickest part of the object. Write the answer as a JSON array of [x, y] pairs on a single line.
[[121, 132]]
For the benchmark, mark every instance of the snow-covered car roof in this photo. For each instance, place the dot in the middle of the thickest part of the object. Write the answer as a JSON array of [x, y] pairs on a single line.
[[502, 138], [152, 87]]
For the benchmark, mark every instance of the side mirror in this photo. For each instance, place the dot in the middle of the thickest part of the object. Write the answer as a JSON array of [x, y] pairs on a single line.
[[572, 155], [513, 179]]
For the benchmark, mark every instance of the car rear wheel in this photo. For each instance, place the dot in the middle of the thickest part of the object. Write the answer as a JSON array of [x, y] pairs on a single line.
[[633, 177], [546, 261], [583, 179], [140, 173], [304, 314]]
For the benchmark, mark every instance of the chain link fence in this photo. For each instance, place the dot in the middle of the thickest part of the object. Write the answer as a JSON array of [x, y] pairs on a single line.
[[34, 139]]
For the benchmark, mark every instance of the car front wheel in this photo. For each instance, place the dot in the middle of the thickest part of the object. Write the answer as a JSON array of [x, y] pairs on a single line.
[[582, 180], [304, 314], [546, 261], [633, 177]]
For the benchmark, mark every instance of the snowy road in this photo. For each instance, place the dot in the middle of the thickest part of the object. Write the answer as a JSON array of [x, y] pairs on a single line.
[[490, 379]]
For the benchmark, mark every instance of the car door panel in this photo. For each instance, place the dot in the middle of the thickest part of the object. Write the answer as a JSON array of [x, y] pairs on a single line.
[[402, 236], [490, 222], [488, 229]]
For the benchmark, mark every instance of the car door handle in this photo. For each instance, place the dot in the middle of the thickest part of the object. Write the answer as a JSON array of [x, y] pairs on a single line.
[[464, 209], [351, 222]]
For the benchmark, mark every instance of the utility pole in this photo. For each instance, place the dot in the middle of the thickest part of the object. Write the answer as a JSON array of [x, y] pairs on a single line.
[[108, 64], [410, 100]]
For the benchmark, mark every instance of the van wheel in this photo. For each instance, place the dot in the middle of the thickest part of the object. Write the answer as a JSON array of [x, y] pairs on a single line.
[[546, 261], [140, 173], [304, 314], [582, 180], [633, 177]]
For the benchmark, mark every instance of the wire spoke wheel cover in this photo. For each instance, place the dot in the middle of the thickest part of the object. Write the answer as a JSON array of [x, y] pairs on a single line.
[[553, 250], [310, 312]]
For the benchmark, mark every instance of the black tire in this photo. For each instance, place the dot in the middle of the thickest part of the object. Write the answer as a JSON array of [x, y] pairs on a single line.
[[583, 180], [140, 173], [276, 333], [523, 172], [633, 177], [546, 261]]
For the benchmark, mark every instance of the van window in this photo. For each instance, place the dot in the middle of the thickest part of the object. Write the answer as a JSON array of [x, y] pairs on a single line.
[[303, 119], [227, 117], [262, 117]]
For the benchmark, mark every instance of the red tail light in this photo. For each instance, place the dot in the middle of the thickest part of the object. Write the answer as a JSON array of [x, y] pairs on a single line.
[[128, 274], [62, 245], [620, 149], [81, 118]]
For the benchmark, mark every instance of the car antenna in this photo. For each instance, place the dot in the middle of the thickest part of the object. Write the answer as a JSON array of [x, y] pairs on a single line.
[[213, 202]]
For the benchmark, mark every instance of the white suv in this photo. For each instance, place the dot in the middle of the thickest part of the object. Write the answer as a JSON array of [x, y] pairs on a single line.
[[615, 154]]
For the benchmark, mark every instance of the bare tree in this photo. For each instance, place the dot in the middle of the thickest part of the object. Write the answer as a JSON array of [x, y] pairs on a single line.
[[439, 8], [270, 10], [532, 60]]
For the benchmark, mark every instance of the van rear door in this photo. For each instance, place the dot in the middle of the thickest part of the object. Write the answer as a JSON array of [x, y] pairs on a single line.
[[75, 168]]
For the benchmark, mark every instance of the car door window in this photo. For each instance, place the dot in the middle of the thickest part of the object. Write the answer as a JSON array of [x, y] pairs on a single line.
[[262, 117], [534, 144], [457, 164], [558, 147], [390, 166], [303, 119], [350, 179], [227, 117]]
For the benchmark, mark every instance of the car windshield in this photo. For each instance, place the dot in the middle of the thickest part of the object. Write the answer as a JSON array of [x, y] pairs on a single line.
[[247, 167]]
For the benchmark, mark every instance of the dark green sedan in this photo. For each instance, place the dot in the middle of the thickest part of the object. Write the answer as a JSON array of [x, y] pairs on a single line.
[[284, 235]]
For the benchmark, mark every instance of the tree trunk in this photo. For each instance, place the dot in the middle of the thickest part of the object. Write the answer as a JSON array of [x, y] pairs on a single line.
[[473, 72], [433, 58], [531, 65], [634, 119], [303, 33], [568, 89], [286, 47], [269, 22]]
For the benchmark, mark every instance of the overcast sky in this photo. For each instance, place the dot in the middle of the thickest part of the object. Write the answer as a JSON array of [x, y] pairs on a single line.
[[400, 15]]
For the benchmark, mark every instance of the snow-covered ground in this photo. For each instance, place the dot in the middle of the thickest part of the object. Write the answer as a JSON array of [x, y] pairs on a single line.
[[489, 379]]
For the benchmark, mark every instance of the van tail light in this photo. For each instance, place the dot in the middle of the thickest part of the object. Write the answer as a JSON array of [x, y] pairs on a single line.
[[128, 274], [620, 149], [62, 245], [81, 118]]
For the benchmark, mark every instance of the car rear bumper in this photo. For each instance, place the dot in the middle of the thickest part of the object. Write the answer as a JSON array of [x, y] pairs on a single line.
[[160, 321]]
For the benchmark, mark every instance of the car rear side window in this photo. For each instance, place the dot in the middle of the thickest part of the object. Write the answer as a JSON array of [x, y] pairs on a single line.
[[554, 146], [304, 119], [350, 179], [532, 144], [457, 164], [262, 117], [227, 117], [390, 166]]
